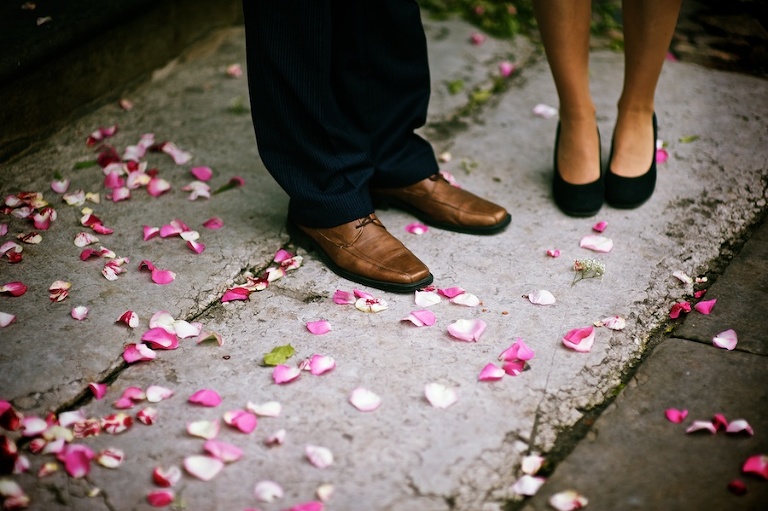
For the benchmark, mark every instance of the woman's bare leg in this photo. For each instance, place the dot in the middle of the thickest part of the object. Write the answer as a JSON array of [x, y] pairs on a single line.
[[565, 29], [648, 29]]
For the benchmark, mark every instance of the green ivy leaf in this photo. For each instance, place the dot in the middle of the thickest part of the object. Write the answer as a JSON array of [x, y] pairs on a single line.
[[279, 355]]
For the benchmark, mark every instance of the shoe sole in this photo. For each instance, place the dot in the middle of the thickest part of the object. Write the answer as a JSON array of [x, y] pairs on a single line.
[[305, 241], [381, 203]]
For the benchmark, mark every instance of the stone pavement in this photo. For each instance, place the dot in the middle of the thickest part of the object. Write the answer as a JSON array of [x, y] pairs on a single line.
[[615, 446]]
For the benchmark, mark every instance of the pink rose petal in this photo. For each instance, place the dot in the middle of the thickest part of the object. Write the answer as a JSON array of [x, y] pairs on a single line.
[[614, 323], [236, 293], [308, 506], [726, 340], [477, 38], [757, 464], [737, 487], [204, 429], [201, 173], [678, 308], [451, 292], [553, 253], [675, 415], [600, 226], [130, 318], [541, 297], [320, 364], [147, 416], [596, 243], [13, 288], [364, 400], [739, 426], [267, 491], [580, 339], [705, 307], [163, 277], [343, 297], [160, 498], [427, 298], [165, 478], [205, 397], [77, 460], [80, 312], [517, 351], [203, 467], [568, 500], [213, 223], [468, 330], [544, 111], [720, 422], [285, 374], [110, 457], [416, 228], [156, 393], [421, 318], [365, 304], [506, 68], [159, 338], [138, 353], [661, 155], [223, 451], [491, 372], [99, 390], [321, 457], [701, 426], [6, 319], [528, 485], [319, 327], [242, 420], [466, 299], [439, 395], [514, 367]]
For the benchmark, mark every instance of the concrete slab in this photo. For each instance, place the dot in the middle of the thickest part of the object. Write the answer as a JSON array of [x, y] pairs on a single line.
[[742, 299], [406, 455], [634, 458]]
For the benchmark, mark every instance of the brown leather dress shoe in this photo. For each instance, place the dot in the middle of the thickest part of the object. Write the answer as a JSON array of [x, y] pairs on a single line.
[[364, 251], [438, 203]]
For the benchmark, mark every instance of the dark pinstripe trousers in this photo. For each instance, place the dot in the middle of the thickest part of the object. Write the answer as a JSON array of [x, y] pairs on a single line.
[[337, 88]]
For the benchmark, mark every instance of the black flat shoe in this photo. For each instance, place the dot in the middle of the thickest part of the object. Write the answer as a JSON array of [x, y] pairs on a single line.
[[630, 192], [577, 200]]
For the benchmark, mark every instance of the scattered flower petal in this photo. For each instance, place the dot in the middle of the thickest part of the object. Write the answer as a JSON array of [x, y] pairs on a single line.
[[203, 467], [528, 485], [682, 277], [321, 457], [468, 330], [514, 367], [531, 464], [147, 415], [517, 351], [737, 487], [439, 395], [320, 364], [678, 308], [13, 288], [705, 307], [165, 478], [267, 491], [701, 426], [6, 319], [276, 438], [757, 464], [544, 111], [675, 415], [491, 372], [421, 318], [324, 492], [268, 409], [614, 323], [202, 173], [160, 498], [596, 243], [416, 228], [477, 38], [364, 400], [466, 299], [242, 420], [223, 451], [600, 226], [568, 500], [205, 397], [98, 390], [366, 304], [726, 340], [319, 327], [427, 297], [80, 312], [739, 426], [138, 352], [553, 252], [541, 297], [580, 339], [506, 68], [213, 223], [204, 429], [285, 374], [110, 457]]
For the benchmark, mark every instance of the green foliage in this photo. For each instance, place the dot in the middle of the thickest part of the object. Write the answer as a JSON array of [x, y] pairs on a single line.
[[279, 355], [503, 19]]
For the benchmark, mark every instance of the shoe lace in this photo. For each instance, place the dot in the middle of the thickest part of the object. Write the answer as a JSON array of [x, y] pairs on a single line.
[[370, 219]]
